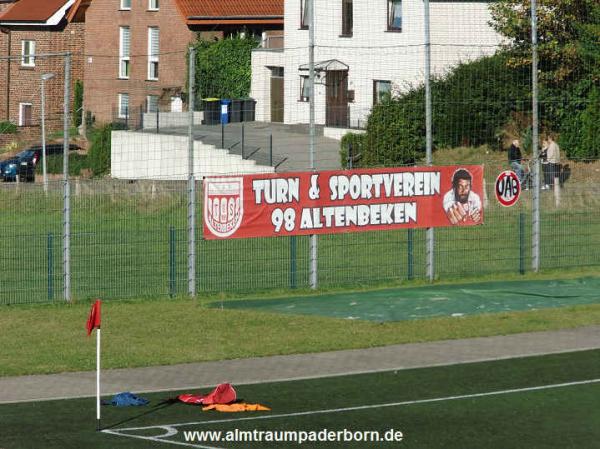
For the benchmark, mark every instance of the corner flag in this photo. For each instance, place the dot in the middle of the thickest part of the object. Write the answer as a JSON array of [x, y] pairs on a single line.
[[93, 321]]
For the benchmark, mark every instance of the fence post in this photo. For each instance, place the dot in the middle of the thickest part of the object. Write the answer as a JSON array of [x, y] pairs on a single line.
[[410, 254], [535, 237], [157, 120], [314, 249], [172, 266], [430, 245], [293, 283], [271, 149], [49, 246], [243, 141], [66, 186], [191, 180], [521, 243]]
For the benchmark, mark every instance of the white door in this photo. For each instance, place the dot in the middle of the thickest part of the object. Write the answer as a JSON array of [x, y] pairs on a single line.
[[176, 104]]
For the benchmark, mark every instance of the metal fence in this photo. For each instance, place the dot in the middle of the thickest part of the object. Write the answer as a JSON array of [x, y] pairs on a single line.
[[444, 79]]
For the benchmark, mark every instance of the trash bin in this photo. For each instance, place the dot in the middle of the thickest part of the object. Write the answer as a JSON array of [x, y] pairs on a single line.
[[225, 111], [212, 111], [237, 107], [249, 107]]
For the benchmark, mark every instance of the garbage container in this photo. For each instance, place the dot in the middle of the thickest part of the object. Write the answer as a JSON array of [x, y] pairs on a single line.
[[248, 109], [237, 107], [212, 111], [225, 111]]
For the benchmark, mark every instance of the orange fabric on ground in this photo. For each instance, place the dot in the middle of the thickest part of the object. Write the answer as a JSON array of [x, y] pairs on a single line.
[[239, 407]]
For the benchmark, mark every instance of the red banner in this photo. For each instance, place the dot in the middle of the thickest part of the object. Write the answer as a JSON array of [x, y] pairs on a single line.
[[329, 202]]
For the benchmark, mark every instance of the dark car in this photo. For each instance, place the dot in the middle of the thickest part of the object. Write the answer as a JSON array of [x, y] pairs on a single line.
[[24, 163]]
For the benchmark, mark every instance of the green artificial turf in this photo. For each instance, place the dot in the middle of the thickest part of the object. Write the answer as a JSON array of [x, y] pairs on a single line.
[[434, 301], [564, 417]]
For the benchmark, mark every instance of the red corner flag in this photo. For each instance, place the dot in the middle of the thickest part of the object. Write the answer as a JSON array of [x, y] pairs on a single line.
[[93, 321]]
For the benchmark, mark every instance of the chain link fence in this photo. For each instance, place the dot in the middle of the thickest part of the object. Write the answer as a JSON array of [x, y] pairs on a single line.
[[360, 100]]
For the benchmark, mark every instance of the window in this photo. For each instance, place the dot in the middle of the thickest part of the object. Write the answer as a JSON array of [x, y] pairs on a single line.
[[125, 4], [123, 105], [153, 5], [28, 53], [347, 19], [304, 88], [152, 103], [304, 14], [382, 90], [25, 115], [153, 47], [394, 15], [124, 44]]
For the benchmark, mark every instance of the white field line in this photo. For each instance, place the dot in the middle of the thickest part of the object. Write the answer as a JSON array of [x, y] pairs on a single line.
[[171, 428]]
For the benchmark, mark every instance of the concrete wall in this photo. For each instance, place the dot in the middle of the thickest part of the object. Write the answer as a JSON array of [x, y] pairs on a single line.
[[459, 32], [165, 157], [170, 119]]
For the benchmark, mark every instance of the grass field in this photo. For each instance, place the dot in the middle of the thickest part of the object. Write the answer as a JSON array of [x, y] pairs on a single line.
[[50, 338], [533, 403]]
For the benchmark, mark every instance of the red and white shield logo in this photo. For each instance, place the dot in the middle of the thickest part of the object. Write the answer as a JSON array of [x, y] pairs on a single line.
[[223, 205]]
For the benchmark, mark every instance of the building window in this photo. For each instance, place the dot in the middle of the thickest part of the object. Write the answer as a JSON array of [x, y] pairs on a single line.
[[28, 53], [304, 88], [153, 52], [304, 14], [123, 105], [152, 103], [382, 90], [25, 115], [394, 15], [153, 5], [124, 45], [125, 4], [347, 19]]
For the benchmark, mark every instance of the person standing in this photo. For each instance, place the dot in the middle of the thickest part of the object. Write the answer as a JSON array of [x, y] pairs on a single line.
[[515, 160], [551, 167]]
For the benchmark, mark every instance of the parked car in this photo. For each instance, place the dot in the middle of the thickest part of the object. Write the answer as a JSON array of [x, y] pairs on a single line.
[[23, 164]]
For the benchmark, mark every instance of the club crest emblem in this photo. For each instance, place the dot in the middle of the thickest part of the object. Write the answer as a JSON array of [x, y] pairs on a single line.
[[223, 205]]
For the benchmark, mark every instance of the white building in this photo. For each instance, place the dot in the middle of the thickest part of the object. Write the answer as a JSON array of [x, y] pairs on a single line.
[[364, 48]]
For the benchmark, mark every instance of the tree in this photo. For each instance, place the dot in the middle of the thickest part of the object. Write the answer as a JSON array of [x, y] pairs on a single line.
[[561, 26]]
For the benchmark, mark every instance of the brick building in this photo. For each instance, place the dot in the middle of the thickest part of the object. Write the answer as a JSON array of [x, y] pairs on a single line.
[[31, 29], [135, 50]]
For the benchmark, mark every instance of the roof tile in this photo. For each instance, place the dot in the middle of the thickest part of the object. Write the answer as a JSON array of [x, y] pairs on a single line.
[[32, 10]]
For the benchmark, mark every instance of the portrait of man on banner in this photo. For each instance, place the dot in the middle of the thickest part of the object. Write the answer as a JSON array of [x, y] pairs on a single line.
[[461, 204]]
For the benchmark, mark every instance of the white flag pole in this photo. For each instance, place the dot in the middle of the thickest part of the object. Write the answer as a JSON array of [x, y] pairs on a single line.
[[98, 377]]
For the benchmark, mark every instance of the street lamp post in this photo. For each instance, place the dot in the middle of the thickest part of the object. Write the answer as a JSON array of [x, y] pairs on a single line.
[[45, 77]]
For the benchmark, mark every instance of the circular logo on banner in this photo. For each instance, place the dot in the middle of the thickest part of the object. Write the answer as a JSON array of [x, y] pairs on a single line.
[[508, 188]]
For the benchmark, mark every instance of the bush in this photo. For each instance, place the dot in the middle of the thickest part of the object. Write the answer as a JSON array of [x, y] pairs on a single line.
[[579, 137], [223, 67], [357, 141], [8, 128], [99, 154], [470, 107], [77, 163], [77, 103]]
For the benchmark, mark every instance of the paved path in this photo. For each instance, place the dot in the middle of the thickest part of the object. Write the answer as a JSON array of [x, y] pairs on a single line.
[[290, 144], [256, 370]]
